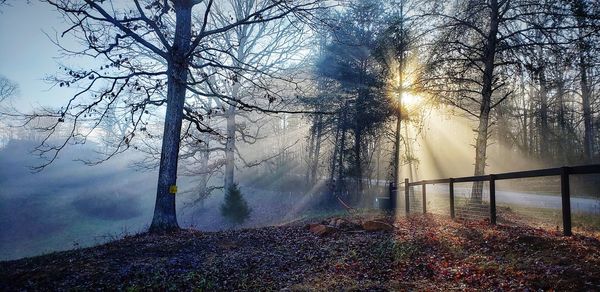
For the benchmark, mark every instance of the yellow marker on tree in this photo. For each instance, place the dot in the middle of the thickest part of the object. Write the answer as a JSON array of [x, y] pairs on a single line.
[[173, 189]]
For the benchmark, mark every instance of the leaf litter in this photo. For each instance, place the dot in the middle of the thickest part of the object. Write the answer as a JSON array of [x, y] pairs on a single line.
[[424, 252]]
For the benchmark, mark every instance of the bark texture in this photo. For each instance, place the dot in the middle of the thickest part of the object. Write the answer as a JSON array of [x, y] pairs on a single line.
[[486, 94], [165, 219]]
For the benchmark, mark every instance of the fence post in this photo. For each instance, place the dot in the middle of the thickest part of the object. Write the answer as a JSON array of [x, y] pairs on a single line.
[[451, 198], [424, 191], [565, 193], [493, 199], [406, 196]]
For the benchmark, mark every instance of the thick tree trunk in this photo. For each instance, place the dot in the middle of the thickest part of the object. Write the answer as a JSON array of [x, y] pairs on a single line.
[[165, 218], [486, 94], [480, 156]]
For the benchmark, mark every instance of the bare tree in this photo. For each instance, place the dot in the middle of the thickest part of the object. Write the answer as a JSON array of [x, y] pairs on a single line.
[[7, 88], [583, 13], [471, 60], [258, 55], [148, 49]]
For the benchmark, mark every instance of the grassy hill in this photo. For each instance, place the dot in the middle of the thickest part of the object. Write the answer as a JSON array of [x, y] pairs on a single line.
[[422, 252]]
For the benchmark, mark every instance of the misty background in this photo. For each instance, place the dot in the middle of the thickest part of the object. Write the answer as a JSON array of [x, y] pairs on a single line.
[[337, 106]]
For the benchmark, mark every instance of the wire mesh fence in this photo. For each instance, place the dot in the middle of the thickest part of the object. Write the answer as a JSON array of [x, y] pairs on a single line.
[[400, 202], [472, 200], [415, 201], [585, 202], [438, 199], [535, 202], [557, 198]]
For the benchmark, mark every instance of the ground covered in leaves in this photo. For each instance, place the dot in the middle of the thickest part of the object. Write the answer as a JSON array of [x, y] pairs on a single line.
[[420, 253]]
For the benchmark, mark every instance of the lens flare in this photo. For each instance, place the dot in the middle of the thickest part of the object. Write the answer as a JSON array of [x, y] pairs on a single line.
[[410, 100]]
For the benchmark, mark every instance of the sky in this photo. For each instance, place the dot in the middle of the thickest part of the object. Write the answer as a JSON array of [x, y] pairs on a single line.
[[27, 56]]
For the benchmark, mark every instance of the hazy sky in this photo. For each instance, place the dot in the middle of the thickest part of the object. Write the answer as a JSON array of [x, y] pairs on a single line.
[[27, 55]]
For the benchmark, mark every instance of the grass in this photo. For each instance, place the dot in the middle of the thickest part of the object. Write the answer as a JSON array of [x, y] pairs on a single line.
[[524, 215], [548, 218], [424, 252], [399, 250]]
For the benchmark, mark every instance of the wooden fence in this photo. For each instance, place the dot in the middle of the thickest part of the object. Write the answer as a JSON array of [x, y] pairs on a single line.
[[563, 172]]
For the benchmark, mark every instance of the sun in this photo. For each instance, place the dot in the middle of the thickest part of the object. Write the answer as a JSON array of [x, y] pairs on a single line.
[[410, 100]]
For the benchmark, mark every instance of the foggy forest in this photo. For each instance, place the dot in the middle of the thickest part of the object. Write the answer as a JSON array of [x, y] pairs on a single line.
[[306, 145]]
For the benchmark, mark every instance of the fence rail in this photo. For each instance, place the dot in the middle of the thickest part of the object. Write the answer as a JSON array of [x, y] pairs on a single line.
[[563, 172]]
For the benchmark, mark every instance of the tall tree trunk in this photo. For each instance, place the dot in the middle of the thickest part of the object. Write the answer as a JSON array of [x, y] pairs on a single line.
[[525, 117], [334, 156], [378, 169], [357, 154], [311, 145], [525, 129], [580, 12], [317, 151], [230, 147], [532, 145], [204, 176], [502, 132], [562, 122], [588, 134], [341, 153], [398, 138], [480, 156], [165, 218], [544, 128], [397, 144], [412, 172], [486, 94]]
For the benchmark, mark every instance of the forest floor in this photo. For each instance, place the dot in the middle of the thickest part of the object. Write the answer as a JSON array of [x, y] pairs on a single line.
[[420, 253]]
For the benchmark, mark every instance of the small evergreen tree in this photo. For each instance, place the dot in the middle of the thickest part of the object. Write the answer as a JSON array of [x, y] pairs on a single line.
[[235, 208]]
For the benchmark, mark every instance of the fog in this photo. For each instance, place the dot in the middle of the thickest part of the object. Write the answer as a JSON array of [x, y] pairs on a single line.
[[70, 204], [442, 143], [302, 111]]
